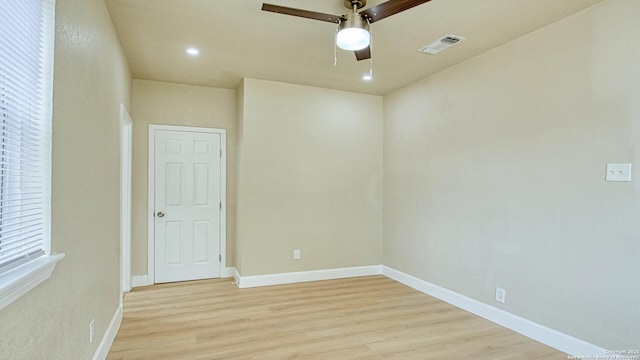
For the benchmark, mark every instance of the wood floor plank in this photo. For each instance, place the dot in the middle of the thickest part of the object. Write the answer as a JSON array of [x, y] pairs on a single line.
[[359, 318]]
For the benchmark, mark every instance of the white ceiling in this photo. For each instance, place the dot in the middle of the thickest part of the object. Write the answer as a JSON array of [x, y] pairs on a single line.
[[237, 40]]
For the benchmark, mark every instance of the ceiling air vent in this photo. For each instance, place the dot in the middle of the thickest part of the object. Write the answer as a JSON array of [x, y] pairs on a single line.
[[441, 44]]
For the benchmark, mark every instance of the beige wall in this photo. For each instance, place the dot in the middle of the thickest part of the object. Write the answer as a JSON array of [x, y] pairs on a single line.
[[310, 178], [494, 176], [172, 104], [91, 80]]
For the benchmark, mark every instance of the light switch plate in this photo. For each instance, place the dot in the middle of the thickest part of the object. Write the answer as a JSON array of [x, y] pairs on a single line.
[[618, 172], [501, 295]]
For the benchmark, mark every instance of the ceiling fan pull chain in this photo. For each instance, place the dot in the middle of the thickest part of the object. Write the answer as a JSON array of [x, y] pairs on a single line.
[[335, 49], [370, 50], [370, 57], [369, 76]]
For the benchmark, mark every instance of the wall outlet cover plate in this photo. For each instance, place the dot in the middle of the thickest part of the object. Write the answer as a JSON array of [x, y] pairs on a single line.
[[618, 172]]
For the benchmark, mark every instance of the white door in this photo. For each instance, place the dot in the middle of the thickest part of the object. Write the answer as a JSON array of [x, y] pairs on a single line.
[[187, 205]]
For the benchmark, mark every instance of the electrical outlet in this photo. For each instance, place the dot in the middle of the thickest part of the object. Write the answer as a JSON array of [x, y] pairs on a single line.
[[618, 172], [91, 330], [501, 295], [296, 254]]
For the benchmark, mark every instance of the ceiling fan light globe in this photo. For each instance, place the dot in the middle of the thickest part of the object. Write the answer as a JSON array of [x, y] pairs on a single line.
[[353, 38]]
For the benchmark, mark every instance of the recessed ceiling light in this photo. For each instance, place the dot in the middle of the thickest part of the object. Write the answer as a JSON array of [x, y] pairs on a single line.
[[367, 77], [193, 51]]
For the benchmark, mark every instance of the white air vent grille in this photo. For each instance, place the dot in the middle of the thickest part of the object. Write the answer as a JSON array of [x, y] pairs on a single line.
[[441, 44]]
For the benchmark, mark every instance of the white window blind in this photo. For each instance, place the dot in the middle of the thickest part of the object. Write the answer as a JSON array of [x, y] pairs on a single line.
[[26, 67]]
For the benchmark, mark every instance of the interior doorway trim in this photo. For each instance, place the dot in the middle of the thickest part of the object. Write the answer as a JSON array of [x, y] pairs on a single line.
[[126, 137], [151, 194]]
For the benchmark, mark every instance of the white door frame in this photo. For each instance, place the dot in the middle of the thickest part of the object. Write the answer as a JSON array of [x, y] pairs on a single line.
[[126, 136], [151, 194]]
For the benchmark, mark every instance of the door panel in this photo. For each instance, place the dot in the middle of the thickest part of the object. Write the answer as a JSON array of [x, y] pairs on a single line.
[[200, 240], [173, 187], [173, 236], [187, 205], [201, 185]]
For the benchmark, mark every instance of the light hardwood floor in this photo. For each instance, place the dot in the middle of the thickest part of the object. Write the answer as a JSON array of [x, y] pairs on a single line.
[[359, 318]]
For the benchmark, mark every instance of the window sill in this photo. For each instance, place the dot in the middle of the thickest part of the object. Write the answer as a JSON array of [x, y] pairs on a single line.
[[17, 282]]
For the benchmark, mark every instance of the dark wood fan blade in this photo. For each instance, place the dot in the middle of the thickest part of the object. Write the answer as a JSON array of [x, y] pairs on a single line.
[[389, 8], [302, 13], [363, 54]]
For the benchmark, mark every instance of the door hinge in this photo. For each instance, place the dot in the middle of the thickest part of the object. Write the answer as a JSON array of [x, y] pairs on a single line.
[[220, 152], [220, 257], [220, 205]]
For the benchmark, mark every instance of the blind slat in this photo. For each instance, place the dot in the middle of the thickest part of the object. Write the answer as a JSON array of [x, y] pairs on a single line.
[[23, 224], [23, 240]]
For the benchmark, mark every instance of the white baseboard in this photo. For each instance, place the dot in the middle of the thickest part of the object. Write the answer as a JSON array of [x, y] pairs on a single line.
[[304, 276], [236, 276], [140, 280], [107, 340], [528, 328]]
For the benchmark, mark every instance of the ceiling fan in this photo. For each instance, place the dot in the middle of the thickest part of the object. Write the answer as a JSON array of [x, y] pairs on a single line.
[[353, 28]]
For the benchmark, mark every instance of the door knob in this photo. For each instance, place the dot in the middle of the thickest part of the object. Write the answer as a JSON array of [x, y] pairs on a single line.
[[160, 214]]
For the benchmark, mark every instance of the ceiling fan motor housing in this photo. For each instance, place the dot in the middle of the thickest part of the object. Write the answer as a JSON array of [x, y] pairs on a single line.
[[358, 3], [353, 21]]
